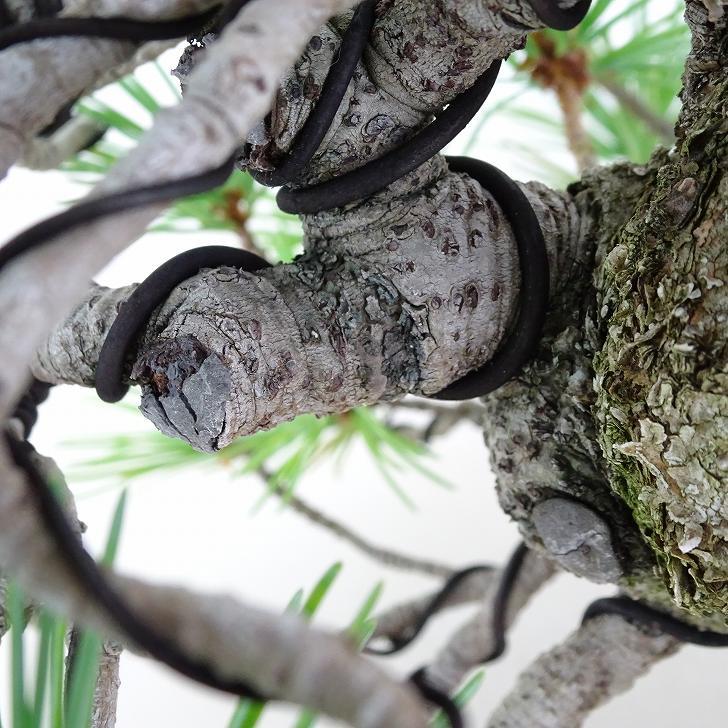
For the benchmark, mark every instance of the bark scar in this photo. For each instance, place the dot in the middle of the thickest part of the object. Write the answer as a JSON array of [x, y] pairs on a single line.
[[184, 390]]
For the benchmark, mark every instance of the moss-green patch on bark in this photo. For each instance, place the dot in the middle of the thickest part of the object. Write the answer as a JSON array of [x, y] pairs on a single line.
[[661, 374]]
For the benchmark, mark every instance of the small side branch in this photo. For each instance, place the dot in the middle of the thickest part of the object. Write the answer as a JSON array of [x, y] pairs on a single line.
[[600, 660], [78, 133], [387, 557], [282, 657], [398, 621], [103, 714], [475, 641]]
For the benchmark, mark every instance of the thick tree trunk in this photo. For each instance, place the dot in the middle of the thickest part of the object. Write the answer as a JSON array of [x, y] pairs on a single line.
[[612, 450]]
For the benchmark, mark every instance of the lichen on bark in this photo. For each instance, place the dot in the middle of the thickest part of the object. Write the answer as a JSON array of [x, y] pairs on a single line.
[[661, 372], [625, 410]]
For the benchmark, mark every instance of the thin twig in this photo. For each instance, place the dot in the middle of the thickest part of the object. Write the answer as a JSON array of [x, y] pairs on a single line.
[[465, 410], [387, 557], [78, 133], [566, 74], [638, 108], [103, 714], [399, 620], [570, 101], [281, 656], [444, 417]]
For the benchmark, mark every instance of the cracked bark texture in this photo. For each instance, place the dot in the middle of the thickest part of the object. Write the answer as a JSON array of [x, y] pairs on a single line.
[[243, 69], [618, 425], [661, 319], [404, 292], [610, 449], [408, 290]]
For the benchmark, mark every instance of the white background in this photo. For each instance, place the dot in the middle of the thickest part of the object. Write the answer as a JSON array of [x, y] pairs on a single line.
[[197, 527]]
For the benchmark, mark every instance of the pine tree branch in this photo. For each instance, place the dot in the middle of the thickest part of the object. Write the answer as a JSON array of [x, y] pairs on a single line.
[[600, 660], [42, 153], [286, 329], [281, 656], [106, 693], [38, 78], [242, 69], [443, 418], [399, 620], [475, 641], [386, 557]]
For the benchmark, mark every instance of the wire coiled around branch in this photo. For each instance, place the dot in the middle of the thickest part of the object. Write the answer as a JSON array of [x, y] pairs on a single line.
[[345, 189]]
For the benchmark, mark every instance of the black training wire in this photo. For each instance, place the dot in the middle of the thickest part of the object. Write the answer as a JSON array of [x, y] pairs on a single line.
[[85, 569], [350, 187], [47, 8], [398, 643], [312, 133], [374, 176], [63, 115], [27, 408], [552, 16], [135, 312], [437, 697], [501, 602], [93, 209], [642, 614], [116, 28], [506, 584], [5, 17], [77, 559], [522, 343]]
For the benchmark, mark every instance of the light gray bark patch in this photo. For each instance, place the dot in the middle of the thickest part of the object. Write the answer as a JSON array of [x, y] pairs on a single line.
[[577, 538], [185, 391]]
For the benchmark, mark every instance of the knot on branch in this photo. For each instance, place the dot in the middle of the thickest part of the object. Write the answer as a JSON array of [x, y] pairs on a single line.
[[184, 390]]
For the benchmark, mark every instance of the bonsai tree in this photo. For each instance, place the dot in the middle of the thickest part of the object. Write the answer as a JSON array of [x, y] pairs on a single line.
[[609, 445]]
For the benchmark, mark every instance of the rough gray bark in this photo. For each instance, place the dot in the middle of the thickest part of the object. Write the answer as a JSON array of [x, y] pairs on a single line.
[[242, 68], [618, 428], [600, 660], [281, 657], [404, 292], [624, 411], [408, 290], [103, 712]]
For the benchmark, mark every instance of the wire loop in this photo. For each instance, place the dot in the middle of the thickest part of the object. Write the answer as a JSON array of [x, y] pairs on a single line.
[[351, 187]]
